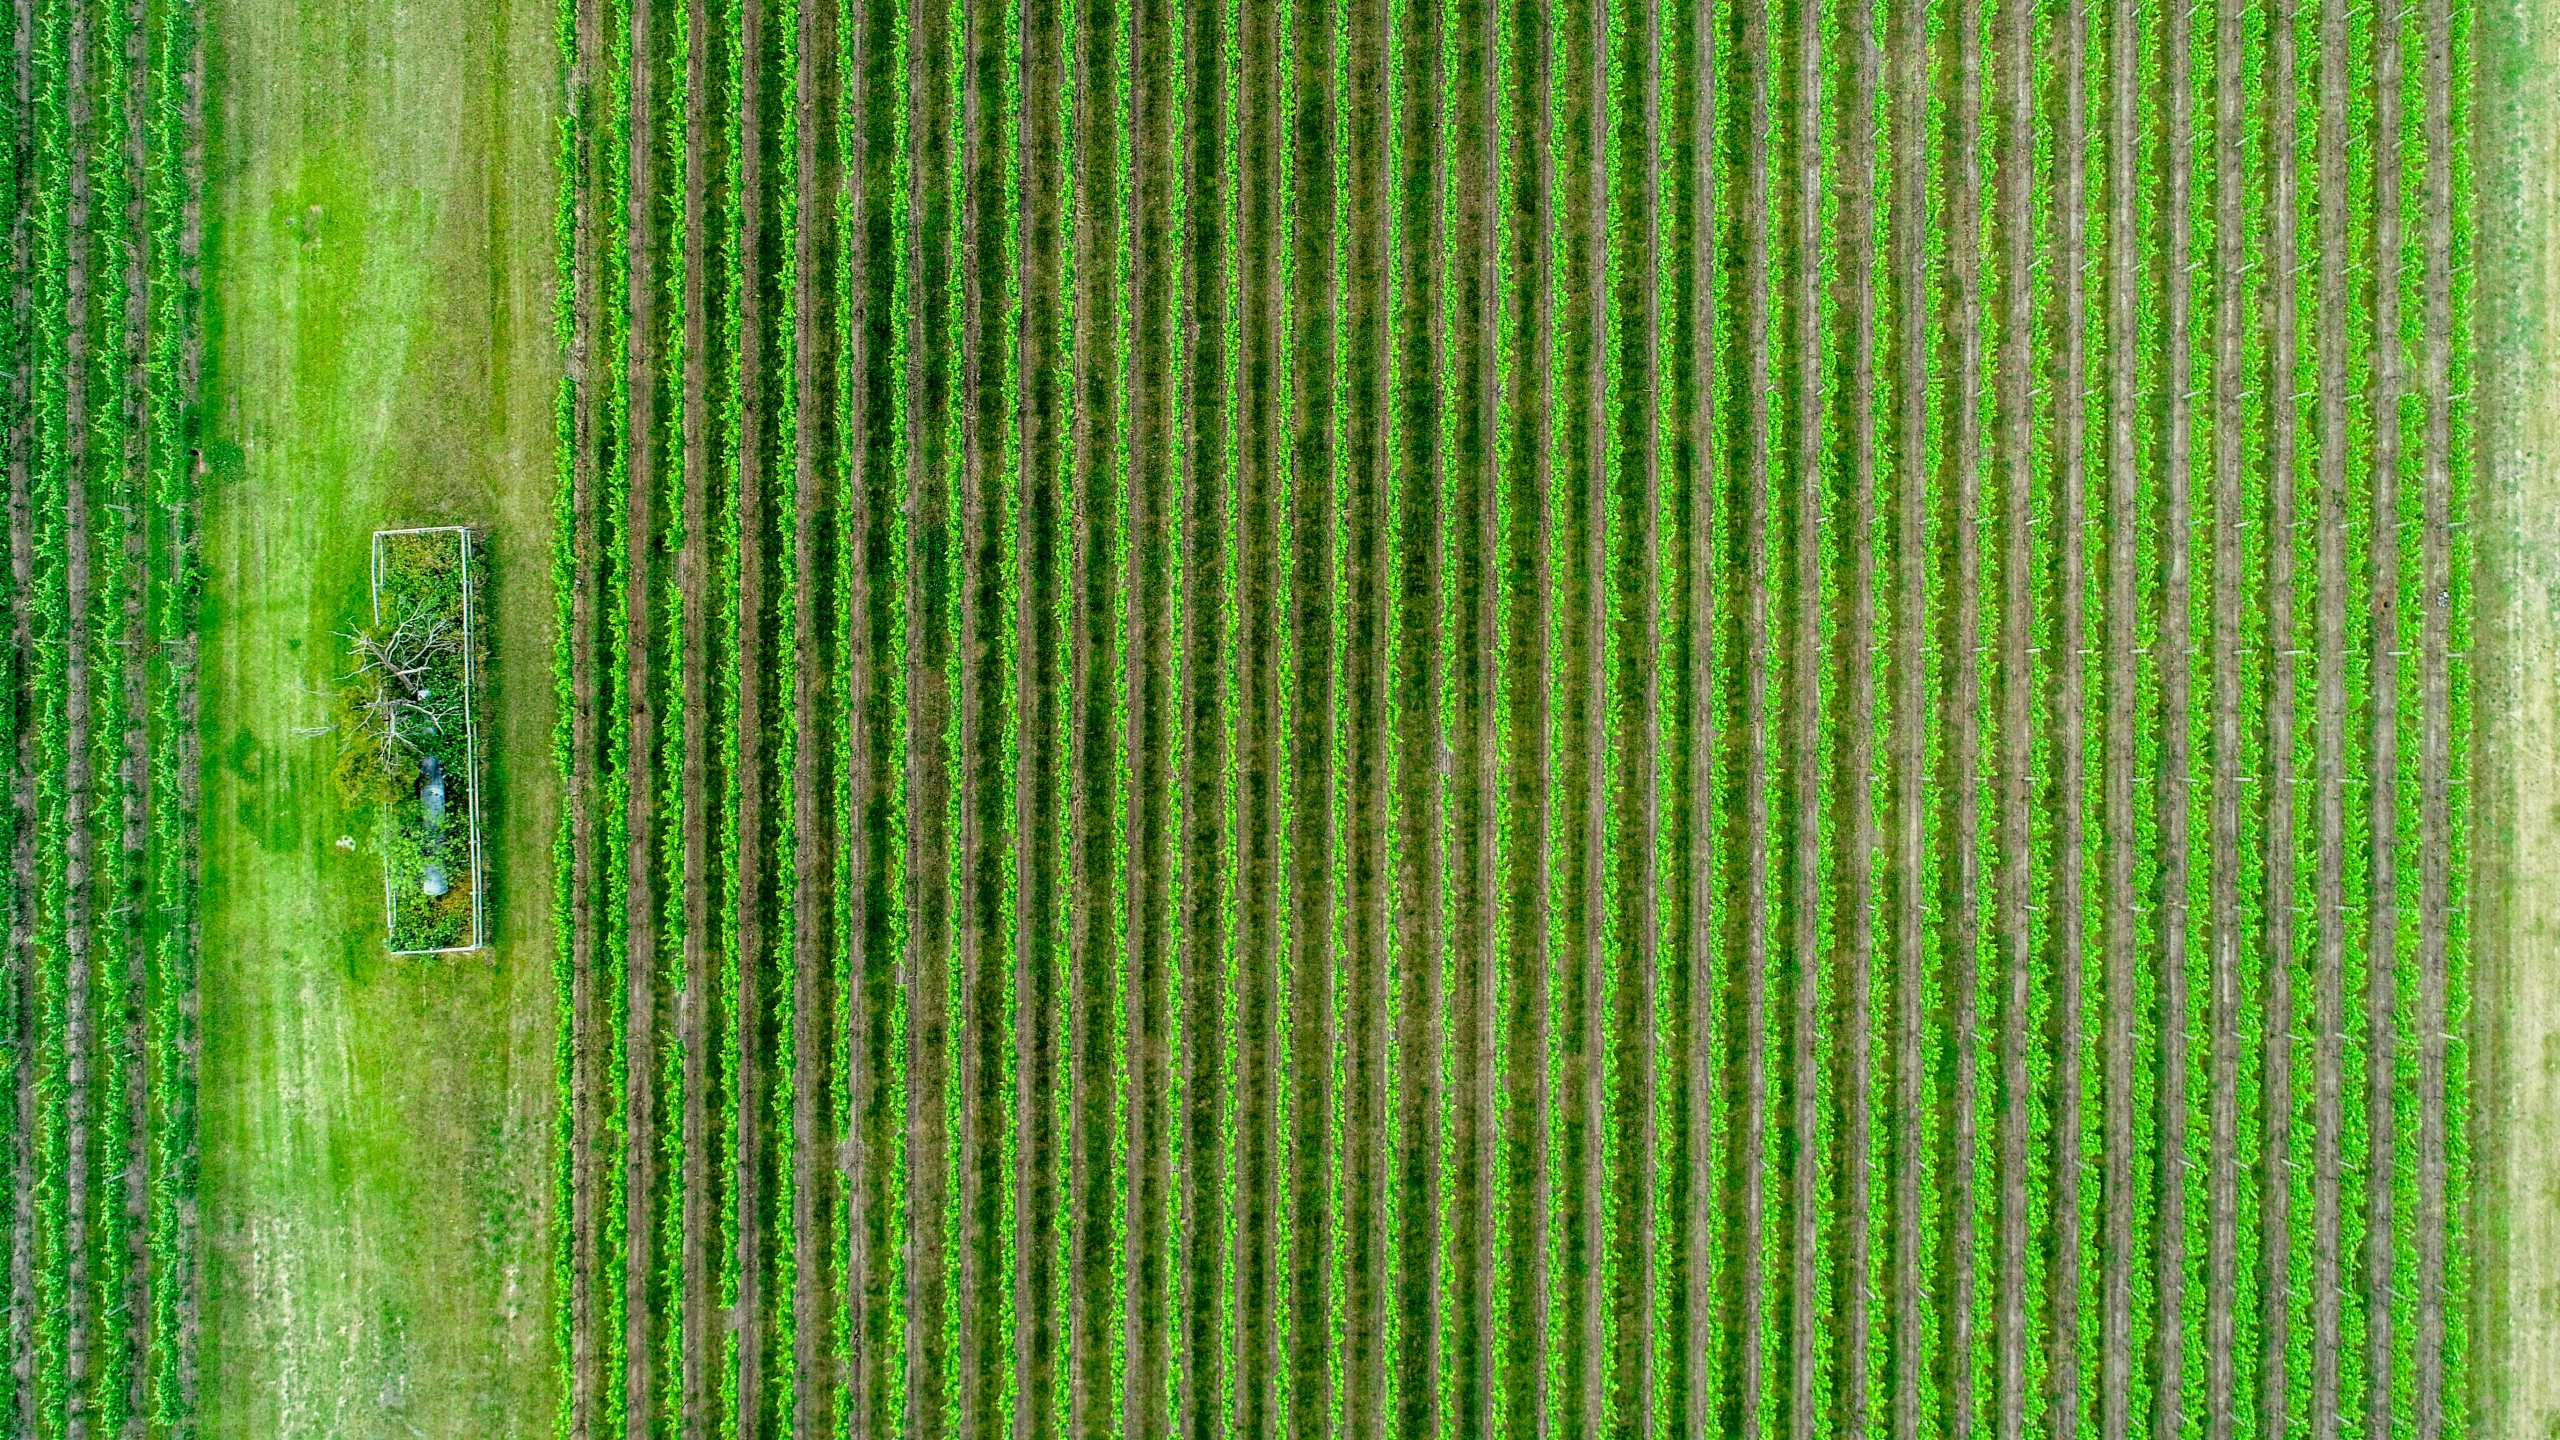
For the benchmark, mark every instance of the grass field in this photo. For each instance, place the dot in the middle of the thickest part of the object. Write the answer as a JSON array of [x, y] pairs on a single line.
[[375, 1130], [1582, 717]]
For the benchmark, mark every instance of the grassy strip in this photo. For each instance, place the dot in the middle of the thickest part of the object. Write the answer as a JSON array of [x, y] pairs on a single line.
[[20, 167]]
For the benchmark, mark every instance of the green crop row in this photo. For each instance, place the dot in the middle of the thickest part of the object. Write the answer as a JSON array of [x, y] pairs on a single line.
[[1740, 515], [102, 697]]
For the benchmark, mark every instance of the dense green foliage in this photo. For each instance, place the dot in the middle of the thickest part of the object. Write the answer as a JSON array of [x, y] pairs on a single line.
[[99, 331], [408, 733], [1518, 721]]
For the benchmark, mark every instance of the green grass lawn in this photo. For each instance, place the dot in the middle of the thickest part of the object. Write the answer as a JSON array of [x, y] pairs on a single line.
[[377, 1132]]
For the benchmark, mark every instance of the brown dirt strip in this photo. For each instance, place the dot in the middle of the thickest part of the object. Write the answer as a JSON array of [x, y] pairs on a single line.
[[1095, 744], [2015, 387], [2071, 433], [22, 782], [2115, 1386], [2435, 383], [1313, 456], [1147, 1326], [1910, 292], [1423, 759], [814, 1122], [984, 951], [2382, 904], [2329, 734], [1852, 1395], [1802, 686], [695, 1400], [2223, 1108], [1258, 382], [928, 780], [2276, 1105], [1758, 441], [1912, 336], [749, 1025], [1965, 746], [1200, 960], [588, 366], [1630, 1056], [1526, 569], [642, 360], [1472, 636], [2170, 1282], [1363, 474], [79, 1035]]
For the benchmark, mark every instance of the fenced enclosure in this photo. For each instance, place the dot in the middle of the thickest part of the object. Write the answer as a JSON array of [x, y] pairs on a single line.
[[424, 645]]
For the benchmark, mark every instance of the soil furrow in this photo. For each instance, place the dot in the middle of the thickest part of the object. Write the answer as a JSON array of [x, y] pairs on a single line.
[[695, 1406], [587, 364], [1308, 523], [1632, 594], [2329, 722], [2124, 181], [1759, 444], [643, 361], [1259, 383], [927, 503], [2071, 440], [2382, 749], [135, 505], [1148, 1323], [1801, 687], [2223, 1216], [815, 313], [1525, 664], [1424, 763], [2169, 1283], [1054, 922], [1964, 778], [78, 1038], [2276, 1104], [1912, 336], [1470, 639], [1201, 957], [1365, 455], [2435, 761]]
